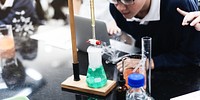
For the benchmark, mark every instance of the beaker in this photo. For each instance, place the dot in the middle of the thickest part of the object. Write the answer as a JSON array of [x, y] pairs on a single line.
[[10, 66], [7, 45], [96, 77]]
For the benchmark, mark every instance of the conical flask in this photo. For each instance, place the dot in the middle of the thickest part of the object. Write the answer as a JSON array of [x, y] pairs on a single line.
[[96, 77]]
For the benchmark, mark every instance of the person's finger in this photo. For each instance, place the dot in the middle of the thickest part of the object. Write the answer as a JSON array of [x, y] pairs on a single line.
[[185, 19], [110, 32], [124, 64], [188, 18], [197, 26], [181, 11], [119, 65], [128, 63], [195, 21], [120, 70], [113, 30], [118, 29]]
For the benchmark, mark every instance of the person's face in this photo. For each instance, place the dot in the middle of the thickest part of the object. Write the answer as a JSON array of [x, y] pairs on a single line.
[[136, 9]]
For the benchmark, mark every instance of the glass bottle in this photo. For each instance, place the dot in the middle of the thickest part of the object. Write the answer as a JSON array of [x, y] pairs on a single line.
[[96, 77], [121, 88], [136, 90]]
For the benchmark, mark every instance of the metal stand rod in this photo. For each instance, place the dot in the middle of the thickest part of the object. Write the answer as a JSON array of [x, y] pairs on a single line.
[[76, 72], [73, 40], [92, 18]]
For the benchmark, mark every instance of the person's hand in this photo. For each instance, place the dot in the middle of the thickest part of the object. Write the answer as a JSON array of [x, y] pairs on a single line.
[[112, 28], [191, 18], [128, 63]]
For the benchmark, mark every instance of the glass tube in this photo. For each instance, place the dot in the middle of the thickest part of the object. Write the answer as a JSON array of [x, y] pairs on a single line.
[[146, 54]]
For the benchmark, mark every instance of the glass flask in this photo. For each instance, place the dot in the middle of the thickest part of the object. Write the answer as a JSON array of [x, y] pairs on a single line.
[[96, 76]]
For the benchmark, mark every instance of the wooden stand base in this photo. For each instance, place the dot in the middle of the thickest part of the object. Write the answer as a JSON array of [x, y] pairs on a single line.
[[81, 86]]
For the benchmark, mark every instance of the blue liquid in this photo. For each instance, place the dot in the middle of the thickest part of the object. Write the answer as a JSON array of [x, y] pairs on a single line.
[[96, 77]]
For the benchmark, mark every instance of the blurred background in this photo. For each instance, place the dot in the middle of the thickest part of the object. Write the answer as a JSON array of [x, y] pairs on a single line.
[[50, 11]]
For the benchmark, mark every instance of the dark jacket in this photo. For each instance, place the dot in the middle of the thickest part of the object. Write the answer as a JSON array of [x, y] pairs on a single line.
[[172, 43]]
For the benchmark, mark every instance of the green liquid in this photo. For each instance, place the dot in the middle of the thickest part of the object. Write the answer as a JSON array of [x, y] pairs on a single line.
[[96, 78]]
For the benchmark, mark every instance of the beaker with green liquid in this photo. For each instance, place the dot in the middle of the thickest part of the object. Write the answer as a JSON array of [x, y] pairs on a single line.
[[96, 76]]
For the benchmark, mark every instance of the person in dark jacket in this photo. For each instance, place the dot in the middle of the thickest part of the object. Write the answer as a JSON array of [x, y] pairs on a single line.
[[172, 44]]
